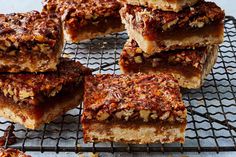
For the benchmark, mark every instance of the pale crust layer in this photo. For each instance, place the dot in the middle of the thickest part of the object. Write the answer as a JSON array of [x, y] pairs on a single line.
[[133, 133], [31, 120], [165, 5]]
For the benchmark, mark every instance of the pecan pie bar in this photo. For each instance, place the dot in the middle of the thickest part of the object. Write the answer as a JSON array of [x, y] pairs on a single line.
[[34, 99], [156, 31], [190, 66], [165, 5], [136, 109], [30, 42], [10, 152], [86, 19]]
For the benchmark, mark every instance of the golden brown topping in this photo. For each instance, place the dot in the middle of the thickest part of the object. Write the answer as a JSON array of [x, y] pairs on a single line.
[[28, 30], [82, 12], [12, 153], [31, 87], [30, 42], [132, 97]]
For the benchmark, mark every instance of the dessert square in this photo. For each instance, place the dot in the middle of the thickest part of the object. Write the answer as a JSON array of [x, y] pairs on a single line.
[[34, 99], [86, 19], [136, 109], [190, 66], [156, 31], [30, 42], [165, 5]]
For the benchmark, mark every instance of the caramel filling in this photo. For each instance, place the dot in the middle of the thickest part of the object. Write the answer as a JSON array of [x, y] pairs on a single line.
[[215, 30], [186, 71], [36, 112], [93, 27], [130, 125]]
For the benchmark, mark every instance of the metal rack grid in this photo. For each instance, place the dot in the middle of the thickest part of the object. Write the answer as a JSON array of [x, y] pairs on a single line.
[[211, 109]]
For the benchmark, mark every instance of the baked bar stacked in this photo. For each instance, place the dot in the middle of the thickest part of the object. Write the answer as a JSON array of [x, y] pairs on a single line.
[[86, 19], [36, 85], [137, 108], [179, 37]]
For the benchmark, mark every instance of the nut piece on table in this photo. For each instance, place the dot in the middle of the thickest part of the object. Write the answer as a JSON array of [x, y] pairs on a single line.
[[8, 134]]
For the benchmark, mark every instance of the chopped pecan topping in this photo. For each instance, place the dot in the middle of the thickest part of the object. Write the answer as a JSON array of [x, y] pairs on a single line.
[[194, 57], [31, 88], [29, 42], [133, 98], [82, 12], [28, 29]]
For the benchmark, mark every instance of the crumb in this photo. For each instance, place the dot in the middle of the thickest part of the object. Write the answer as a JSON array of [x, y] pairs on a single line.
[[67, 55], [229, 69], [94, 155], [81, 154], [201, 102], [187, 104]]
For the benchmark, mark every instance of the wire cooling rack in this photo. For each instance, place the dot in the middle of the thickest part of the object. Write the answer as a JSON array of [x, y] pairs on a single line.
[[211, 109]]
